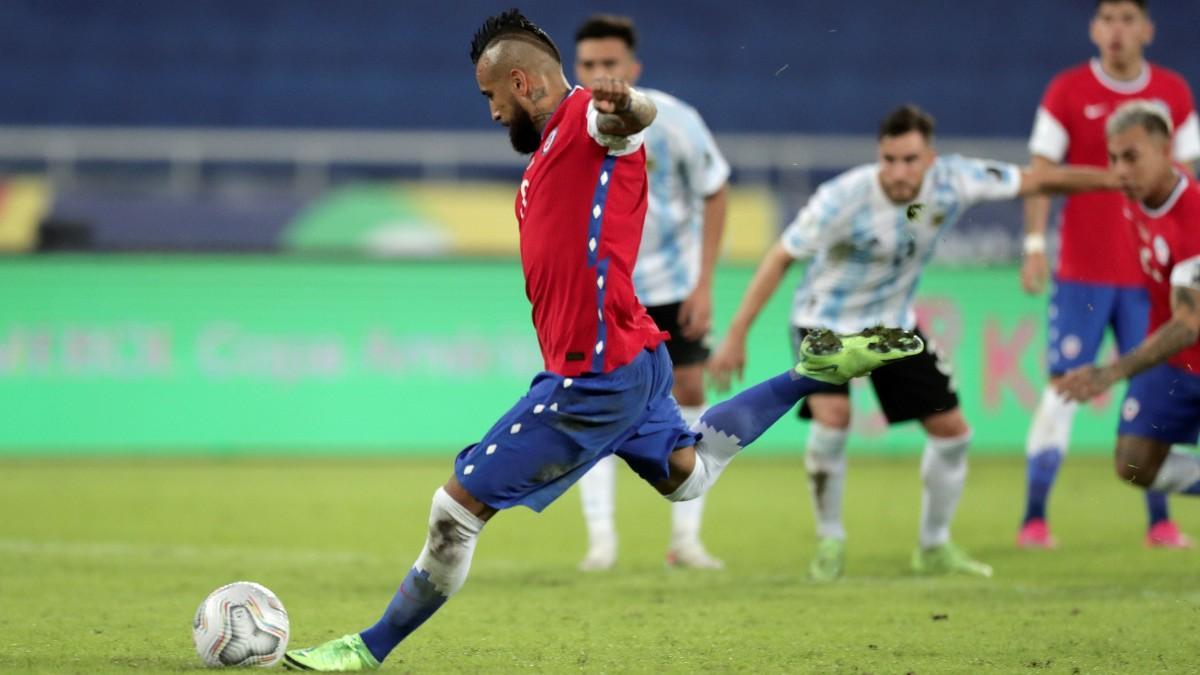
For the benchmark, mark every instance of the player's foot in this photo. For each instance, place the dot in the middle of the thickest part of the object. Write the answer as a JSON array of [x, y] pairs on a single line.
[[599, 559], [829, 560], [693, 556], [1166, 534], [833, 358], [1036, 534], [345, 654], [948, 559]]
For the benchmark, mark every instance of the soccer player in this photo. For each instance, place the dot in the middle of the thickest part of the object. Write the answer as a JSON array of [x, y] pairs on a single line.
[[1098, 283], [1160, 417], [868, 233], [673, 274], [607, 384]]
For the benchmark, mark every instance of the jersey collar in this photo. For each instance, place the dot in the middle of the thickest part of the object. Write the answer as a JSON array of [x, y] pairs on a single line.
[[1121, 86], [1180, 186]]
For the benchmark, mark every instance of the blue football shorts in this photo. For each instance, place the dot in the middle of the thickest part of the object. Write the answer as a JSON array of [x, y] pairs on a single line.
[[1078, 315], [564, 425], [1163, 403]]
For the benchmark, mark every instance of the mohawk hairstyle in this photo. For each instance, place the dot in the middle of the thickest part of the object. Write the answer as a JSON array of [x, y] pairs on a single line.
[[512, 25]]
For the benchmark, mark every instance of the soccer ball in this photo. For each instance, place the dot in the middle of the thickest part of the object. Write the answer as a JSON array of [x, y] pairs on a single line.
[[240, 624]]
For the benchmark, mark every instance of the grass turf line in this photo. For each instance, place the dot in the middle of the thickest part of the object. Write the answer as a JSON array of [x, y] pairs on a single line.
[[102, 564]]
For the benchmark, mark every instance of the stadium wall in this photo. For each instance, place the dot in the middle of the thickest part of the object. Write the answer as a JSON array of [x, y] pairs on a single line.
[[259, 354], [807, 65]]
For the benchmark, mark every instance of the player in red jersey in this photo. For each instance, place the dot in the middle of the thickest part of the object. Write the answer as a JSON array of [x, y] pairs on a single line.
[[1160, 418], [607, 384], [1098, 283]]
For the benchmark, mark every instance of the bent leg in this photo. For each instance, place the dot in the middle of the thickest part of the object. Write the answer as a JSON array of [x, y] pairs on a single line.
[[728, 427]]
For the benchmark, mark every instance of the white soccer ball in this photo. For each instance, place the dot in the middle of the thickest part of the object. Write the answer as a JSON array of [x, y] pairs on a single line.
[[241, 624]]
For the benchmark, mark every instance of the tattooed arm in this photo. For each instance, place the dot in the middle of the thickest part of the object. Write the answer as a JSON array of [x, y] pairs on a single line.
[[1182, 331], [624, 111]]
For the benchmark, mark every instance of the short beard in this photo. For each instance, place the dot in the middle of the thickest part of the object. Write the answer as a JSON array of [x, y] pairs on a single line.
[[523, 134]]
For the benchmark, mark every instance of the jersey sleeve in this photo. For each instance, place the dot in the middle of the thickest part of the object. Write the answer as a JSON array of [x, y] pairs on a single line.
[[821, 219], [1186, 146], [1186, 273], [981, 180], [1050, 137], [705, 159], [618, 146]]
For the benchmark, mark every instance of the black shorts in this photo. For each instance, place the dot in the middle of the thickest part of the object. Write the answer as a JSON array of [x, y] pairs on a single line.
[[911, 389], [683, 352]]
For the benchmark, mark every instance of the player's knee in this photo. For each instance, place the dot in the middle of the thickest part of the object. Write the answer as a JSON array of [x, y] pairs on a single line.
[[949, 424], [682, 488], [689, 386], [830, 411], [1132, 464], [451, 527]]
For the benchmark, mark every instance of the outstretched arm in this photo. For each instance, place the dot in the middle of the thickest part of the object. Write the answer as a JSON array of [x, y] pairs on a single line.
[[1044, 178], [624, 111], [731, 357], [1182, 331]]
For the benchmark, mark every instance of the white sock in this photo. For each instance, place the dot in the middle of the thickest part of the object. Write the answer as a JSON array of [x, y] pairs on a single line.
[[453, 531], [597, 489], [714, 451], [1180, 471], [943, 471], [686, 516], [825, 460], [1051, 427]]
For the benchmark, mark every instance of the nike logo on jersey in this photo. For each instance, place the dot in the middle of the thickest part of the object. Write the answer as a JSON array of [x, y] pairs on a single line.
[[1095, 111]]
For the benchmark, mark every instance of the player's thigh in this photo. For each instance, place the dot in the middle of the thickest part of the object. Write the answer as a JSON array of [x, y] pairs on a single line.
[[1077, 316], [917, 388], [559, 430], [1131, 317]]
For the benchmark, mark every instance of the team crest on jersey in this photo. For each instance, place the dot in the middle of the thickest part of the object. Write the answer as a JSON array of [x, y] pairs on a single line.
[[914, 211], [549, 140]]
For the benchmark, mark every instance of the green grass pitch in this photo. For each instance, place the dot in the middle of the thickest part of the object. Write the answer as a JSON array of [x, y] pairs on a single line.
[[103, 562]]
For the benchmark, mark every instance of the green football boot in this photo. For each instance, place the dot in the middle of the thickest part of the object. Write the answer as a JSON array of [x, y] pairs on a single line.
[[948, 559], [345, 654], [836, 359], [829, 560]]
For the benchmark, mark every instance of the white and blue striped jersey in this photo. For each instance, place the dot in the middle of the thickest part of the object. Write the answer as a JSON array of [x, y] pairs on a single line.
[[866, 253], [683, 166]]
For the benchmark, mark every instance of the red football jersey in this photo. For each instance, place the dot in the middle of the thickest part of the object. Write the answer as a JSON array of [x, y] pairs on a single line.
[[1169, 250], [1095, 245], [580, 209]]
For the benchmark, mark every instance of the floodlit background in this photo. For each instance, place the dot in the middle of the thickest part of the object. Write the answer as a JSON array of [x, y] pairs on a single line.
[[258, 284], [289, 224]]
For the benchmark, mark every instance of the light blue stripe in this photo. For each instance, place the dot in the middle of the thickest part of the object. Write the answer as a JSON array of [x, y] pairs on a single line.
[[856, 267]]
